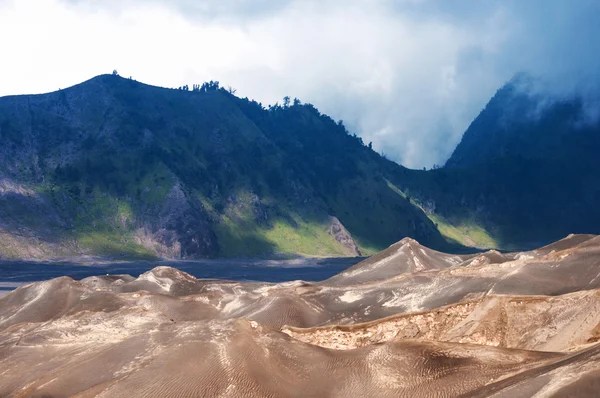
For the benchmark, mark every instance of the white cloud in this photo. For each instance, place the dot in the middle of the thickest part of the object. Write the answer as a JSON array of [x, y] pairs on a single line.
[[408, 75]]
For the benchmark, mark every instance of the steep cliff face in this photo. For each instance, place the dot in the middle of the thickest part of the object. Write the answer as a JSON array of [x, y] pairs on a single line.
[[116, 167]]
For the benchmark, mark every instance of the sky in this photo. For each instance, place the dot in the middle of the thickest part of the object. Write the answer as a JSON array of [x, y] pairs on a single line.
[[407, 75]]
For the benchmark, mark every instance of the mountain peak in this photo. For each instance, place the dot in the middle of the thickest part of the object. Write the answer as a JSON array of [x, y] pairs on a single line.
[[131, 169], [521, 122]]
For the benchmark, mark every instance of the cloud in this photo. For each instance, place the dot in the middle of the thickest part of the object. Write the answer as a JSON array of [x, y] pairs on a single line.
[[408, 75]]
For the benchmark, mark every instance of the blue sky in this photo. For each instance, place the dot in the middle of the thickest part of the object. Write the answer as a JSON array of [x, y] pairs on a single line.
[[409, 75]]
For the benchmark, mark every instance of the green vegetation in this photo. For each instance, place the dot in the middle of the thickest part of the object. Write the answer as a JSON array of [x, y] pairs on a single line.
[[283, 237], [113, 244], [304, 237], [466, 232]]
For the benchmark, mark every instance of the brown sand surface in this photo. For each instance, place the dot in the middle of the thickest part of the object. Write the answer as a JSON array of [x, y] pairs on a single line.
[[409, 321]]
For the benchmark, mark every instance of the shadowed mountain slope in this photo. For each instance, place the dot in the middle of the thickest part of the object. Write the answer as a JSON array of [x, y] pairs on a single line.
[[521, 122], [525, 173]]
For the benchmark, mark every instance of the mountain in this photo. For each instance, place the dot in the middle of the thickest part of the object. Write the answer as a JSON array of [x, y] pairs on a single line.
[[487, 324], [521, 124], [525, 173], [115, 167]]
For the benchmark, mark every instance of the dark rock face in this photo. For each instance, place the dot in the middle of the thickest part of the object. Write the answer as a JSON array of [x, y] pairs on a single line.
[[181, 229], [409, 322], [187, 226]]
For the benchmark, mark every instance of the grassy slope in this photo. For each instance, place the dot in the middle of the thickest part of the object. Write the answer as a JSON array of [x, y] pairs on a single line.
[[466, 232]]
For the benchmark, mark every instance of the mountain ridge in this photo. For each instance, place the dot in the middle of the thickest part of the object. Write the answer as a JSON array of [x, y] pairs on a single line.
[[114, 167], [184, 174]]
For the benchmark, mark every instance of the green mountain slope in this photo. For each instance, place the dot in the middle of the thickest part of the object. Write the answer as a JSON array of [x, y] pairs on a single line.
[[116, 167]]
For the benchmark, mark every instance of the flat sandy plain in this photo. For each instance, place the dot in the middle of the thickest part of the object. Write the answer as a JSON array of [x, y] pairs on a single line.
[[408, 322]]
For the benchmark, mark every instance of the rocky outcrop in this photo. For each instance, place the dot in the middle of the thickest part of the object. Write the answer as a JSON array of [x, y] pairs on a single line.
[[182, 229], [336, 229]]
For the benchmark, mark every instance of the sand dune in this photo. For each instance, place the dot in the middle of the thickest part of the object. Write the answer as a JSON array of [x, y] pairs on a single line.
[[409, 321]]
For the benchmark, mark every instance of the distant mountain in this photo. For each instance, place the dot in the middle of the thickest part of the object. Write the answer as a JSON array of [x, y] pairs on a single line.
[[119, 168], [526, 171], [520, 124]]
